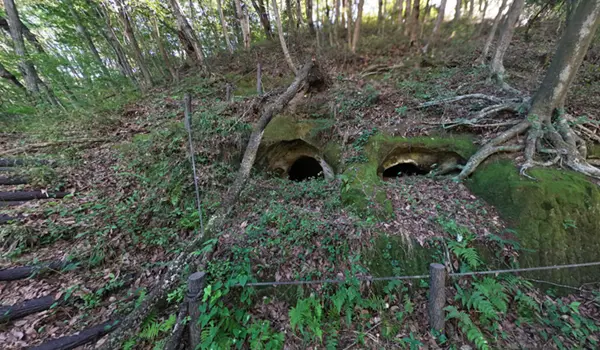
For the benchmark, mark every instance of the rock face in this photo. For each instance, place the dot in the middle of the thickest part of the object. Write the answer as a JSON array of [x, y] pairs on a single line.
[[557, 217]]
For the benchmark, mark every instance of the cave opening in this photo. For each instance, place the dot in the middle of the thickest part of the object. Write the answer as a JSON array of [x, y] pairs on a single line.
[[305, 168], [404, 169]]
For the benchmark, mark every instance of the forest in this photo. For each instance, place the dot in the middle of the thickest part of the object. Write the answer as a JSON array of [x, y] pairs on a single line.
[[299, 174]]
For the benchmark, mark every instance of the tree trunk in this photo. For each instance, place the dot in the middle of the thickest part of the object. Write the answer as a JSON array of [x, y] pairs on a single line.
[[497, 68], [16, 32], [290, 14], [187, 36], [457, 11], [471, 8], [414, 26], [436, 28], [299, 13], [284, 48], [349, 22], [356, 35], [5, 74], [483, 13], [224, 26], [488, 42], [408, 17], [263, 15], [242, 15], [163, 51], [85, 35], [549, 100], [400, 11], [379, 14], [309, 17], [337, 21], [137, 52]]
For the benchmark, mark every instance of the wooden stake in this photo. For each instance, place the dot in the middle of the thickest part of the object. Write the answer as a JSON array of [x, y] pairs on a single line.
[[437, 296], [259, 89], [195, 286]]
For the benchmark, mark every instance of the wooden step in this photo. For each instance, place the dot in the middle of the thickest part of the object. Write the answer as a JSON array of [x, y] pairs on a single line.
[[21, 272], [13, 180], [29, 195]]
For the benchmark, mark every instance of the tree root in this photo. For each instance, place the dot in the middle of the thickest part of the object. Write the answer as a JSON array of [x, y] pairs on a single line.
[[460, 98]]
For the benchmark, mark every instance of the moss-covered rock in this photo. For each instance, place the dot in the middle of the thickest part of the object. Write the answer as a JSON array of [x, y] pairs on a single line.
[[393, 255], [557, 216], [361, 189]]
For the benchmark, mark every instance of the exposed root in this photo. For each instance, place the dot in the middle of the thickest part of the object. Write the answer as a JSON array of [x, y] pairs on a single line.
[[380, 68], [462, 97]]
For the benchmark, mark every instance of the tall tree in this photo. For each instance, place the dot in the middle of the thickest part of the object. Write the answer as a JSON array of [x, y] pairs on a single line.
[[414, 22], [349, 22], [548, 102], [436, 28], [497, 67], [163, 52], [26, 33], [408, 17], [26, 66], [263, 15], [284, 48], [471, 8], [356, 36], [187, 36], [244, 20], [400, 10], [137, 52], [290, 14], [457, 10], [299, 13], [490, 38], [85, 35], [224, 26], [309, 16]]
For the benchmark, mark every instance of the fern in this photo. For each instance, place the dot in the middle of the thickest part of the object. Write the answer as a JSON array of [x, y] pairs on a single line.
[[467, 326]]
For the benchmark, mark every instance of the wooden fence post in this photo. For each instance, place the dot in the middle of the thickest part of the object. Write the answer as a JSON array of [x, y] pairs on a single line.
[[437, 296], [229, 92], [195, 287]]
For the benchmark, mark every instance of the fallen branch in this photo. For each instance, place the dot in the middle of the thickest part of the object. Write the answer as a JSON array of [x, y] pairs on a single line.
[[11, 203], [50, 144], [7, 219], [30, 195], [172, 277]]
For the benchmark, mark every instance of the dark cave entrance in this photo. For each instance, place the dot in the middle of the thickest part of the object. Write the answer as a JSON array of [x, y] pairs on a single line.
[[305, 168], [404, 169]]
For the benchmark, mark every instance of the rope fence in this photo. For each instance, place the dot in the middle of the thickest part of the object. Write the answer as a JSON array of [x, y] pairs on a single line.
[[417, 277]]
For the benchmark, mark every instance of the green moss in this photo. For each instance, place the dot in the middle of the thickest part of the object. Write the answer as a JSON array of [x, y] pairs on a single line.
[[593, 151], [288, 128], [463, 145], [557, 216], [392, 255]]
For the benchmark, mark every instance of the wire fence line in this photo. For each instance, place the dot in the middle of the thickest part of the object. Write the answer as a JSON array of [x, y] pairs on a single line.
[[417, 277]]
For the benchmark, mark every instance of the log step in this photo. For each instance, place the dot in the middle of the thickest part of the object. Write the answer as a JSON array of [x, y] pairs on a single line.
[[7, 219], [18, 180], [11, 203], [7, 170], [28, 307], [78, 339], [17, 273], [29, 195]]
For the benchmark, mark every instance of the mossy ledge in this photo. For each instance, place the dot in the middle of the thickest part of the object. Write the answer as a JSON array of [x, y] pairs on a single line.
[[557, 216]]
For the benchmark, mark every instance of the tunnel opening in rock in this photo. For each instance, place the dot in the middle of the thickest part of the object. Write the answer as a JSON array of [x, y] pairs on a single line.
[[305, 168], [404, 169]]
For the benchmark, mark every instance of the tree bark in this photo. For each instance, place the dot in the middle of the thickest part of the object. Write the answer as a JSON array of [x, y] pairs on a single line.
[[85, 35], [289, 10], [471, 8], [263, 15], [357, 24], [28, 307], [284, 48], [224, 26], [336, 24], [187, 36], [27, 68], [497, 67], [309, 17], [436, 28], [400, 11], [490, 38], [457, 10], [243, 19], [408, 17], [137, 52], [483, 13], [299, 13], [414, 22], [349, 22], [5, 74]]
